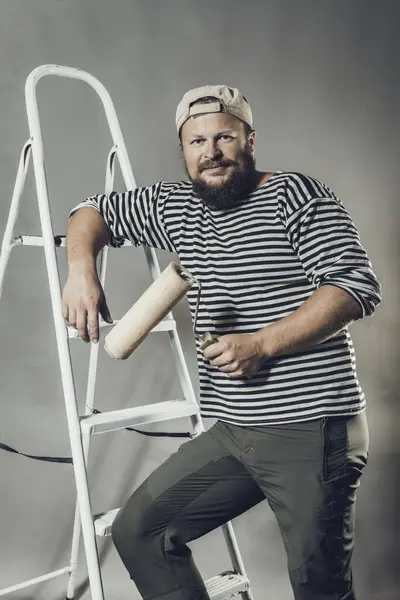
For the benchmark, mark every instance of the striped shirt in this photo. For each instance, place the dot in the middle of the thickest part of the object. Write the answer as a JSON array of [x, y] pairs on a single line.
[[258, 262]]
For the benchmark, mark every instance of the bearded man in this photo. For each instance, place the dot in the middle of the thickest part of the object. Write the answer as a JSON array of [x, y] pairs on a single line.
[[283, 275]]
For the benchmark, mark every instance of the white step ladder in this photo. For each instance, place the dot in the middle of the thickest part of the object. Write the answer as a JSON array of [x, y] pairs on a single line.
[[223, 586]]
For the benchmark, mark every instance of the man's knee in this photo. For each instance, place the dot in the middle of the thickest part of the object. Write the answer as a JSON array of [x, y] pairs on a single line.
[[132, 523]]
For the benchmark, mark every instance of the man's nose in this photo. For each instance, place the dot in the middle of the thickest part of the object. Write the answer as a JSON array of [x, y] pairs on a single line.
[[212, 151]]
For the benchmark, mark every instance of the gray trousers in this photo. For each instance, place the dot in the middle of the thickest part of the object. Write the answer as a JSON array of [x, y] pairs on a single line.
[[308, 472]]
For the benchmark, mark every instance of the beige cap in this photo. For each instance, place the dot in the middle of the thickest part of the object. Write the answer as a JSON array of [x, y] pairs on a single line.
[[227, 99]]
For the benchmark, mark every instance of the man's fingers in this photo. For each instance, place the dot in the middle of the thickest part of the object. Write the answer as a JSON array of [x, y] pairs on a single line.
[[239, 375], [93, 321], [71, 318], [220, 361], [214, 350], [105, 313], [229, 368], [81, 325], [64, 309]]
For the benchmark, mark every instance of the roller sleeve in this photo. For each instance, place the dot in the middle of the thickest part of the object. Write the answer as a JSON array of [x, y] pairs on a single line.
[[154, 304]]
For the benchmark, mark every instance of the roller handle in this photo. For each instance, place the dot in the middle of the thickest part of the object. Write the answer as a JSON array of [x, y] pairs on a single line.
[[207, 340]]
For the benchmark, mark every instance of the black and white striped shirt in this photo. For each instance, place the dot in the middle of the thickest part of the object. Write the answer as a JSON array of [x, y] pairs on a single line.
[[258, 262]]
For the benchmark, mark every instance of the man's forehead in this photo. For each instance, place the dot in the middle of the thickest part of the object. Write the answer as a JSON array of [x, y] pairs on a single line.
[[210, 123]]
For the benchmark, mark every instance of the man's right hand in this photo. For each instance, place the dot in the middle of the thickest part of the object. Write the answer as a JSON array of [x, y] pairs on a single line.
[[82, 300]]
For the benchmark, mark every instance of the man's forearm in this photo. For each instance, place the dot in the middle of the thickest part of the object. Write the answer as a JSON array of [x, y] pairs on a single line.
[[86, 235], [325, 313]]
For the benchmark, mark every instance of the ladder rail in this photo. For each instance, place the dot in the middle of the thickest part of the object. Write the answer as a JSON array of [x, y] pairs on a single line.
[[7, 243], [102, 268], [71, 405], [91, 386], [235, 555]]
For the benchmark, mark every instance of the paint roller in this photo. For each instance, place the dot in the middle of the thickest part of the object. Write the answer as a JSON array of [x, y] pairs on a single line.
[[151, 308]]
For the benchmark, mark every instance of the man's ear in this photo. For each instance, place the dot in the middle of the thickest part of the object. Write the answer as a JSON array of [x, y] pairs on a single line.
[[252, 141]]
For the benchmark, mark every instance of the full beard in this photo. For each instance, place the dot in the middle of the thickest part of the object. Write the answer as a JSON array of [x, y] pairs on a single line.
[[232, 192]]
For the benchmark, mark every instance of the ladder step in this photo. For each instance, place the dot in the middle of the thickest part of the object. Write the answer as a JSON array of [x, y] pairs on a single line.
[[138, 415], [220, 587], [226, 585], [164, 325], [103, 522], [38, 240]]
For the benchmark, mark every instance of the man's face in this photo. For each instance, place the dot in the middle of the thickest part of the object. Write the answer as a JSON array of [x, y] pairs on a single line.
[[219, 158]]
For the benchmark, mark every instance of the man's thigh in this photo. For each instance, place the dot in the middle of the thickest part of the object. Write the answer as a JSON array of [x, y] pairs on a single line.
[[198, 488]]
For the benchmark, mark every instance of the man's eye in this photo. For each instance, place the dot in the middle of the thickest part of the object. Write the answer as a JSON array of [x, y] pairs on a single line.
[[195, 142], [226, 137]]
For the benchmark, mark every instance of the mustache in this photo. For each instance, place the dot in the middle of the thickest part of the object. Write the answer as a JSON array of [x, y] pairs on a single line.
[[213, 164]]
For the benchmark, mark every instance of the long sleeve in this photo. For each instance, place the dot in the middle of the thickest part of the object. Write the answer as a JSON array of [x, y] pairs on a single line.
[[136, 216], [327, 242]]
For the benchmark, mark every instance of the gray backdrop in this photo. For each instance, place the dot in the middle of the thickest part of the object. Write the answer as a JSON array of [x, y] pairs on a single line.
[[322, 77]]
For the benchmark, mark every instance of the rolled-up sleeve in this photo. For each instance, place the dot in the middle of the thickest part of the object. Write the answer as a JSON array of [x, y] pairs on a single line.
[[327, 242], [135, 216]]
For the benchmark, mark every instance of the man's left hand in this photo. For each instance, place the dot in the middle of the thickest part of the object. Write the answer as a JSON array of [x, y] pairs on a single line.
[[237, 355]]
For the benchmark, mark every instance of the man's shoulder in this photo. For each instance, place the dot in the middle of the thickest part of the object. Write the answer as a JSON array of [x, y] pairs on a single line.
[[299, 190], [305, 186]]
